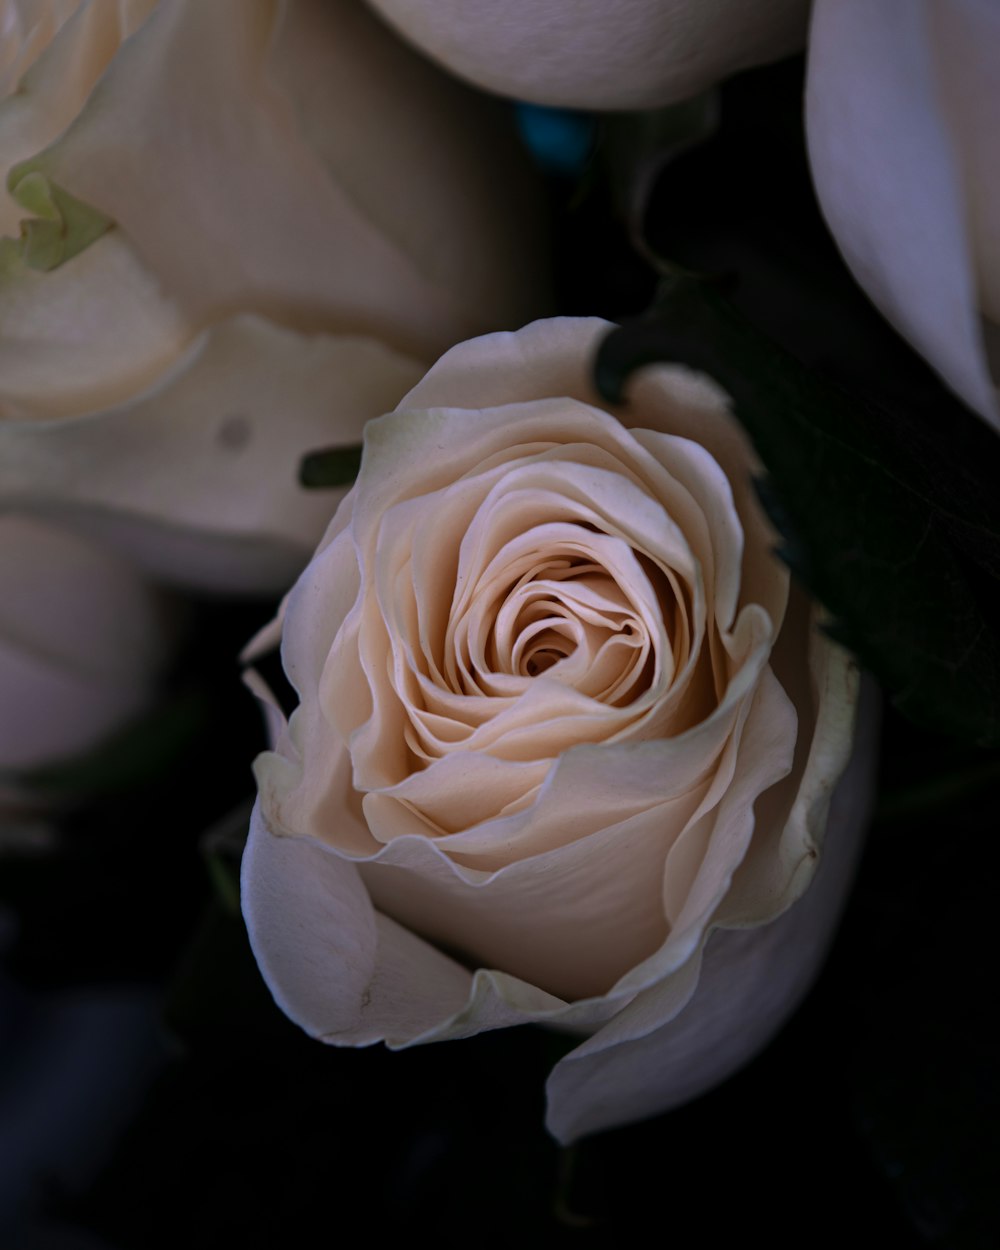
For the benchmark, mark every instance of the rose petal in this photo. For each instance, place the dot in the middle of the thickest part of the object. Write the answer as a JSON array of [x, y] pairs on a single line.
[[347, 974], [553, 358], [750, 981], [965, 36], [27, 27], [337, 969], [889, 173], [84, 336], [197, 477], [556, 920], [267, 225], [64, 55], [589, 54], [81, 642]]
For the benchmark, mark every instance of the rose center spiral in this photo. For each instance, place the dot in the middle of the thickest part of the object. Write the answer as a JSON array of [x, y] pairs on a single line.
[[570, 620]]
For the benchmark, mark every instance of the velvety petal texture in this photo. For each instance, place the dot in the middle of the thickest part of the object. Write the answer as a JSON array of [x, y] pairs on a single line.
[[902, 111], [593, 54], [195, 477], [560, 719], [231, 237], [82, 638]]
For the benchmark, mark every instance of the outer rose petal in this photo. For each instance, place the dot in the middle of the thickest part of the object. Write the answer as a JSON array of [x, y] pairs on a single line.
[[81, 640], [552, 358], [594, 54], [335, 966], [304, 168], [347, 975], [241, 235], [901, 173], [197, 477], [750, 980], [62, 58], [84, 336]]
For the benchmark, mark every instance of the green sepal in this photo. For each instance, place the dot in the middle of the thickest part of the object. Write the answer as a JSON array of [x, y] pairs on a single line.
[[61, 226], [331, 467]]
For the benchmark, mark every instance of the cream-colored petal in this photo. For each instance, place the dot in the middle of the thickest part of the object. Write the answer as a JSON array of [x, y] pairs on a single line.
[[340, 971], [890, 174], [750, 981], [555, 920], [87, 335], [699, 869], [792, 816], [69, 53], [553, 359], [197, 477], [351, 976], [593, 55], [82, 639], [267, 225], [547, 359], [27, 27], [720, 551], [965, 36], [558, 909], [432, 137]]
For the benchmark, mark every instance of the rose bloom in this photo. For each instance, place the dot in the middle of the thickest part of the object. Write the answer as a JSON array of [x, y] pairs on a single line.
[[560, 719], [234, 231], [599, 54], [82, 641], [903, 113]]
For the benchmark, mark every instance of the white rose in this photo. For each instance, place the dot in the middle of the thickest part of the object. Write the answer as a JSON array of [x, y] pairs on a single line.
[[903, 112], [595, 54], [82, 639], [559, 720], [245, 227]]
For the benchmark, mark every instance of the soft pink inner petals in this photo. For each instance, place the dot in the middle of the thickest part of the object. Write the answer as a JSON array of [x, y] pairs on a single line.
[[544, 599], [551, 597], [556, 919]]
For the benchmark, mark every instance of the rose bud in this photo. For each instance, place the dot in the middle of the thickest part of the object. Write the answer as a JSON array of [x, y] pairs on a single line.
[[902, 113], [566, 738], [82, 640], [235, 231], [592, 54]]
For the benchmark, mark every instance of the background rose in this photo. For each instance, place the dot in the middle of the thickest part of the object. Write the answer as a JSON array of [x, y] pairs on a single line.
[[596, 55], [903, 110], [251, 238], [82, 639], [573, 837]]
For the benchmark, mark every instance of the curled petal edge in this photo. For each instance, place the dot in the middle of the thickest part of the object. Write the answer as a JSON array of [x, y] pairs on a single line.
[[346, 974]]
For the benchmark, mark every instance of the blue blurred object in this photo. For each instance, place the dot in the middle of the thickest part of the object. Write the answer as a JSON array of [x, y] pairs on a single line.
[[560, 140]]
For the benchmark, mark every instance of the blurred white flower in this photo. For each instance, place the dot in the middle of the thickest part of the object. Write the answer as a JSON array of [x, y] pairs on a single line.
[[82, 641], [903, 113], [245, 228]]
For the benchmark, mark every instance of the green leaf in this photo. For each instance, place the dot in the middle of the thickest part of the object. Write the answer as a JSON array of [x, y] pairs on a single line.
[[874, 550], [332, 467], [61, 226]]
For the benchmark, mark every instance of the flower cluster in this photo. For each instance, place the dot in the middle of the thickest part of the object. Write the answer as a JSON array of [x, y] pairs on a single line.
[[569, 745]]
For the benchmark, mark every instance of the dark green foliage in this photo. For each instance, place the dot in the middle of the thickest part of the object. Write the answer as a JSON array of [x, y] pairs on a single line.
[[874, 548]]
